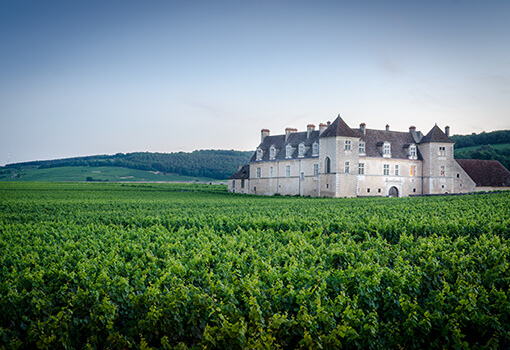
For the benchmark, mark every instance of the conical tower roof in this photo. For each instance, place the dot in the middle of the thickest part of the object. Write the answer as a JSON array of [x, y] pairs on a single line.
[[436, 135], [338, 128]]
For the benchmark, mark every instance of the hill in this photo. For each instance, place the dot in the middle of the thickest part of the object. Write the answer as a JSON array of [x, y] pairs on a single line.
[[210, 164], [489, 146]]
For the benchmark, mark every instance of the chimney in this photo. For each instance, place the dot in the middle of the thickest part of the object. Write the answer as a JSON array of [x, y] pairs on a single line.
[[322, 128], [329, 123], [412, 129], [309, 129], [387, 127], [263, 134], [289, 131], [362, 127], [447, 130]]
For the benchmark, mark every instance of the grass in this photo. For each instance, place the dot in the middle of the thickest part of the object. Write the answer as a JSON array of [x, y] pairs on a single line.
[[499, 146], [84, 173]]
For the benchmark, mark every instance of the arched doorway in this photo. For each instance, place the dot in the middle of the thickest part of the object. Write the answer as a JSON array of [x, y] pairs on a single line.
[[393, 192]]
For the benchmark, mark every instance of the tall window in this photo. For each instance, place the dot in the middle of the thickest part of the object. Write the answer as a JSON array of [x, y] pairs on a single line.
[[234, 183], [396, 170], [442, 170], [316, 170], [347, 167], [327, 165], [259, 172], [347, 145], [412, 170], [287, 171], [315, 149], [361, 147], [442, 151], [288, 151], [361, 168], [412, 152], [302, 176], [272, 152], [386, 150], [242, 183], [386, 169], [301, 150], [271, 172], [259, 154]]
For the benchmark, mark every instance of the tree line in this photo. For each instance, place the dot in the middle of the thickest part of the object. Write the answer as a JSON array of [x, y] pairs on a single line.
[[484, 151], [215, 164]]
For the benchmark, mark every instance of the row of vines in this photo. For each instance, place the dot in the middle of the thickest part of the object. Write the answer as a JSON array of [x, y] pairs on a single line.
[[119, 266]]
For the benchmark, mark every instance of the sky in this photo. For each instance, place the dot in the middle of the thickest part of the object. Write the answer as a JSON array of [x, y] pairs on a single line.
[[101, 77]]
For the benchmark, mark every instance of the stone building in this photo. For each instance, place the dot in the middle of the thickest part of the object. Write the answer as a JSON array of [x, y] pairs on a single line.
[[338, 161]]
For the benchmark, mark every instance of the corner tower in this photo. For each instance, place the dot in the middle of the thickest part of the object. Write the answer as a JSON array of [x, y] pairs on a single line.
[[436, 148]]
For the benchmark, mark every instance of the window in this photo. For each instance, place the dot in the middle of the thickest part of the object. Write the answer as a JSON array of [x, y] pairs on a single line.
[[254, 188], [379, 190], [414, 190], [412, 152], [368, 190], [386, 150], [327, 165], [287, 171], [288, 151], [258, 173], [242, 183], [272, 152], [361, 147], [234, 183], [301, 150], [347, 167], [259, 154], [442, 170], [386, 169], [361, 168], [442, 151], [458, 175], [316, 170], [271, 172], [347, 146], [412, 171], [315, 149], [302, 176], [396, 169]]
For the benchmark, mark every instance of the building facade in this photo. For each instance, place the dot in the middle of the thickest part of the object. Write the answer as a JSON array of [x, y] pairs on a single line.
[[338, 161]]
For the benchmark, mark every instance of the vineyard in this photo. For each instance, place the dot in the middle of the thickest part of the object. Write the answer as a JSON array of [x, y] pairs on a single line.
[[180, 266]]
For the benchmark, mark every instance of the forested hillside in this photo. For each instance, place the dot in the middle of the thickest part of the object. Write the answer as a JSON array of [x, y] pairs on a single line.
[[490, 146], [215, 164]]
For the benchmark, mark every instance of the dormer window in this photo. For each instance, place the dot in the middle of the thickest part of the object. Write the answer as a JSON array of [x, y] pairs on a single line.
[[301, 150], [272, 152], [361, 147], [259, 154], [315, 149], [412, 152], [288, 151], [386, 150]]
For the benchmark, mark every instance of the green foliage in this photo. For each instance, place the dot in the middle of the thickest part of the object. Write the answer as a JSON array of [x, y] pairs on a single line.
[[105, 265], [214, 164], [486, 152], [488, 146]]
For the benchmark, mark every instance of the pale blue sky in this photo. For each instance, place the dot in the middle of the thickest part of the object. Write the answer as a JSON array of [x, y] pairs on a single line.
[[93, 77]]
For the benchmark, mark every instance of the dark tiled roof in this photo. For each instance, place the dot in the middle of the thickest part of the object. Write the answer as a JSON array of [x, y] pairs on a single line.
[[242, 173], [374, 140], [436, 135], [489, 173], [278, 141], [338, 128]]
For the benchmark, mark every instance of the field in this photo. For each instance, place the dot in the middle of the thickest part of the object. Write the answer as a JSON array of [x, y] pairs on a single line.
[[90, 173], [109, 265]]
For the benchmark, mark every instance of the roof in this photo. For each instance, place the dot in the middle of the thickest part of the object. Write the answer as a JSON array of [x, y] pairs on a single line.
[[338, 128], [279, 142], [375, 139], [242, 173], [436, 135], [489, 173]]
